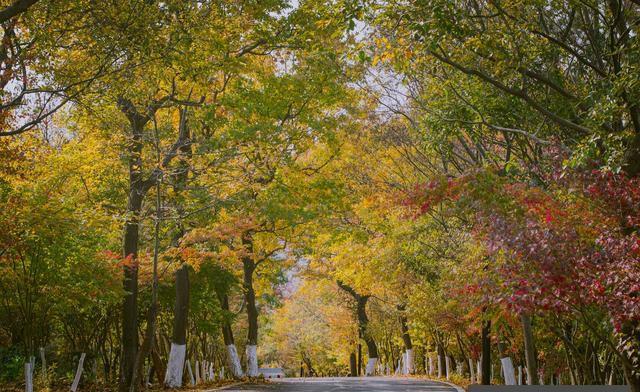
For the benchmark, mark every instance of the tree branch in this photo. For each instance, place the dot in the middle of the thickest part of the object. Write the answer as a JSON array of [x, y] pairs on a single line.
[[15, 9]]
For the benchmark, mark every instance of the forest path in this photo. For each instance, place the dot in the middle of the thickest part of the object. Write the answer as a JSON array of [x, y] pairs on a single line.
[[357, 384]]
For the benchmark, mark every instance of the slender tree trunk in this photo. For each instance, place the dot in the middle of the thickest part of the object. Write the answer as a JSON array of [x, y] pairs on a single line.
[[463, 355], [406, 338], [486, 353], [137, 192], [153, 309], [363, 322], [249, 267], [233, 360], [424, 359], [178, 352], [177, 355], [130, 285], [372, 348], [352, 365], [359, 356], [529, 349], [442, 364]]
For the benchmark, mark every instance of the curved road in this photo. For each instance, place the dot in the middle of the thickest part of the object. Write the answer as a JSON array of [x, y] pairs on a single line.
[[358, 384]]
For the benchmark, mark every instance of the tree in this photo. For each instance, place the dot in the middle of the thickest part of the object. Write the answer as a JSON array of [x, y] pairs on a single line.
[[546, 255]]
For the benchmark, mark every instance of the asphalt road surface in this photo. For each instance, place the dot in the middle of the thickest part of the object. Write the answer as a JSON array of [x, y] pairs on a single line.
[[358, 384]]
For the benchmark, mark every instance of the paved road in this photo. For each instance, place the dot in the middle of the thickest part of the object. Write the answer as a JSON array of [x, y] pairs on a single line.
[[359, 384]]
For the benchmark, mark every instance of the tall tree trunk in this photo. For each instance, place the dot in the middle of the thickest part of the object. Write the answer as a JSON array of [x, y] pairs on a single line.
[[442, 362], [249, 267], [463, 355], [353, 372], [233, 360], [529, 349], [138, 188], [359, 356], [363, 322], [130, 283], [486, 353], [150, 332], [175, 365], [406, 338], [423, 359], [177, 355]]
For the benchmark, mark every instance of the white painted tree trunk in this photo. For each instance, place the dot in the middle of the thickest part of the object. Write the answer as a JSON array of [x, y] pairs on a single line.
[[447, 362], [221, 375], [371, 367], [519, 375], [175, 366], [28, 377], [430, 366], [252, 361], [212, 375], [191, 378], [508, 371], [410, 361], [472, 373], [233, 360], [439, 366], [198, 378], [76, 380], [43, 360]]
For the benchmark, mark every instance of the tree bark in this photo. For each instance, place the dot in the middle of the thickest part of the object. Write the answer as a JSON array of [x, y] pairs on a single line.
[[352, 365], [249, 267], [177, 355], [15, 9], [486, 353], [233, 360], [130, 284], [529, 349], [406, 338], [359, 356], [363, 322], [138, 188], [136, 375], [442, 364]]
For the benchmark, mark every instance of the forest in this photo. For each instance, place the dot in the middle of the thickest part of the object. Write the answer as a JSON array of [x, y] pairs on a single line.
[[194, 190]]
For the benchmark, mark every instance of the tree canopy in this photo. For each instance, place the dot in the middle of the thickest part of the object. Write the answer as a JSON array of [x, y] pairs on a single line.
[[194, 190]]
